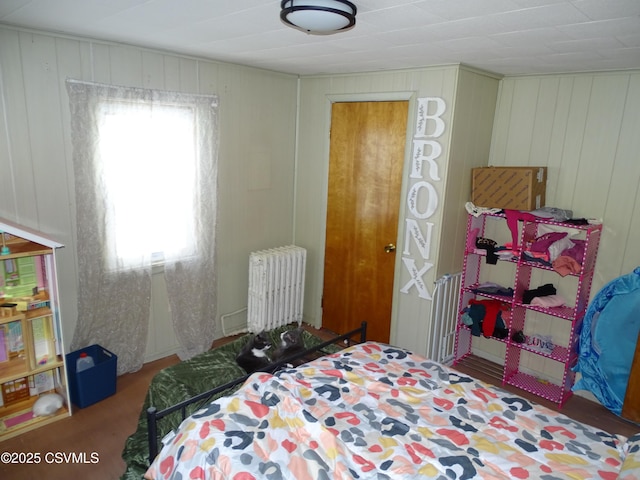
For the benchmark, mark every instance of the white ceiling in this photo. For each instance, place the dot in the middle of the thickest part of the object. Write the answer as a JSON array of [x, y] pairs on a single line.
[[509, 37]]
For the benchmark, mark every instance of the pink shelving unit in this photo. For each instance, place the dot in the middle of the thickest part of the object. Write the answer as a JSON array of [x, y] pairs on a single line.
[[519, 312]]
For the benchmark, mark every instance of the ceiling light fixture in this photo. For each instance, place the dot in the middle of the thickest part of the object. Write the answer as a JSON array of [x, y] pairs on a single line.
[[320, 17]]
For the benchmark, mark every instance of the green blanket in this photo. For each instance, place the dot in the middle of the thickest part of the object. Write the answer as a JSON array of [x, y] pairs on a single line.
[[185, 380]]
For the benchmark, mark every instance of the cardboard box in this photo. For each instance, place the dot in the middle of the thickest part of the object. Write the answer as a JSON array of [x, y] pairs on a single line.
[[513, 188]]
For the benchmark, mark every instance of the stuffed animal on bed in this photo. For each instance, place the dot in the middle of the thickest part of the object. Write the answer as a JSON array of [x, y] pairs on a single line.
[[253, 355]]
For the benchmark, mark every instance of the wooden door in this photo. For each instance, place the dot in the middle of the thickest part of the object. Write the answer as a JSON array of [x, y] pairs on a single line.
[[366, 160]]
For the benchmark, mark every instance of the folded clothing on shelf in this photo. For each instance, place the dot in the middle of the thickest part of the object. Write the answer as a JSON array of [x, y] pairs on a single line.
[[548, 301], [570, 260], [489, 245], [490, 288], [553, 213], [541, 291]]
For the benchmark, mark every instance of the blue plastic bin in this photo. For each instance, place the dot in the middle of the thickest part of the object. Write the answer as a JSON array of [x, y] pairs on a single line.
[[96, 383]]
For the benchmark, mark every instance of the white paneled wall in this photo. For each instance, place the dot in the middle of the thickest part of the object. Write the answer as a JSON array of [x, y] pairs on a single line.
[[469, 96], [256, 155], [586, 129]]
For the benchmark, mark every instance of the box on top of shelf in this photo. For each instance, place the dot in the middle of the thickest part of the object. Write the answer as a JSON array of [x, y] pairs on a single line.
[[93, 384], [513, 188]]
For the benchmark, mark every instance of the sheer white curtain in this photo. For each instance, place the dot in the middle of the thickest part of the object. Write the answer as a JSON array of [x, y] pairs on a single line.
[[145, 164]]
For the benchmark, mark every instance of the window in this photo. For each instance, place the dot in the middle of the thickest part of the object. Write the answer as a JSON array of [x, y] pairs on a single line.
[[147, 169]]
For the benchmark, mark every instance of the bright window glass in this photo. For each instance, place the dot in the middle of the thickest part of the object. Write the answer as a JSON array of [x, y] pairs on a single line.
[[147, 173]]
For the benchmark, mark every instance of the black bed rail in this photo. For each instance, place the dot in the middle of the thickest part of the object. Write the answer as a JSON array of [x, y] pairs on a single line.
[[154, 415]]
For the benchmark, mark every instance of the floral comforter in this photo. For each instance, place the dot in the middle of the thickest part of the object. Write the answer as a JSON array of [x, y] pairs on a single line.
[[375, 411]]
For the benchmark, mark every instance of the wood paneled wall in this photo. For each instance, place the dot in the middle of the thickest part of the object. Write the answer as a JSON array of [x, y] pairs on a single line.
[[256, 155]]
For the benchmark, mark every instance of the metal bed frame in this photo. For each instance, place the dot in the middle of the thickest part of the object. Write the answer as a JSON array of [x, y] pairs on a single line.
[[154, 415]]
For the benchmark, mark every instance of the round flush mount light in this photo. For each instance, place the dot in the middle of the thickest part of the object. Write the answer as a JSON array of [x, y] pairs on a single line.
[[320, 17]]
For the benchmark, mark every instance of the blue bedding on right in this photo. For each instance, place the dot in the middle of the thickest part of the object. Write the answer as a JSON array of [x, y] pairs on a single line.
[[608, 341]]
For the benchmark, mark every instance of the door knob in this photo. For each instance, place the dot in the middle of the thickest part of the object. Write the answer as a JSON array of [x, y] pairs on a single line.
[[390, 248]]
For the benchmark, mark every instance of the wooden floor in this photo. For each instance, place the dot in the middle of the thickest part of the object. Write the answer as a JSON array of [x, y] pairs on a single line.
[[103, 428], [99, 429], [577, 407]]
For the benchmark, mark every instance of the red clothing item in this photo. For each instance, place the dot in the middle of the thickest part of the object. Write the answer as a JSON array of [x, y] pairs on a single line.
[[491, 308]]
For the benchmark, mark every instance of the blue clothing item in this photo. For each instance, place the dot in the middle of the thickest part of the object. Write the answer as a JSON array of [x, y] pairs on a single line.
[[608, 341]]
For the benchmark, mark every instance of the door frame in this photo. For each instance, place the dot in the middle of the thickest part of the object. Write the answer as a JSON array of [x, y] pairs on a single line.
[[410, 97]]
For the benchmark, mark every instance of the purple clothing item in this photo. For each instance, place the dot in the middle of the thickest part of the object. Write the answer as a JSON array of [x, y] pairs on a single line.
[[576, 252], [542, 243], [570, 260]]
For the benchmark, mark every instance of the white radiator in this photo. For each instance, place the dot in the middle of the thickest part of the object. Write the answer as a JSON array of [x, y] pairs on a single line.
[[444, 315], [276, 287]]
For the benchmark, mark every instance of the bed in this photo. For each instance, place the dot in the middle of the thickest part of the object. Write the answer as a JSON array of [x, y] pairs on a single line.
[[377, 411], [181, 389]]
